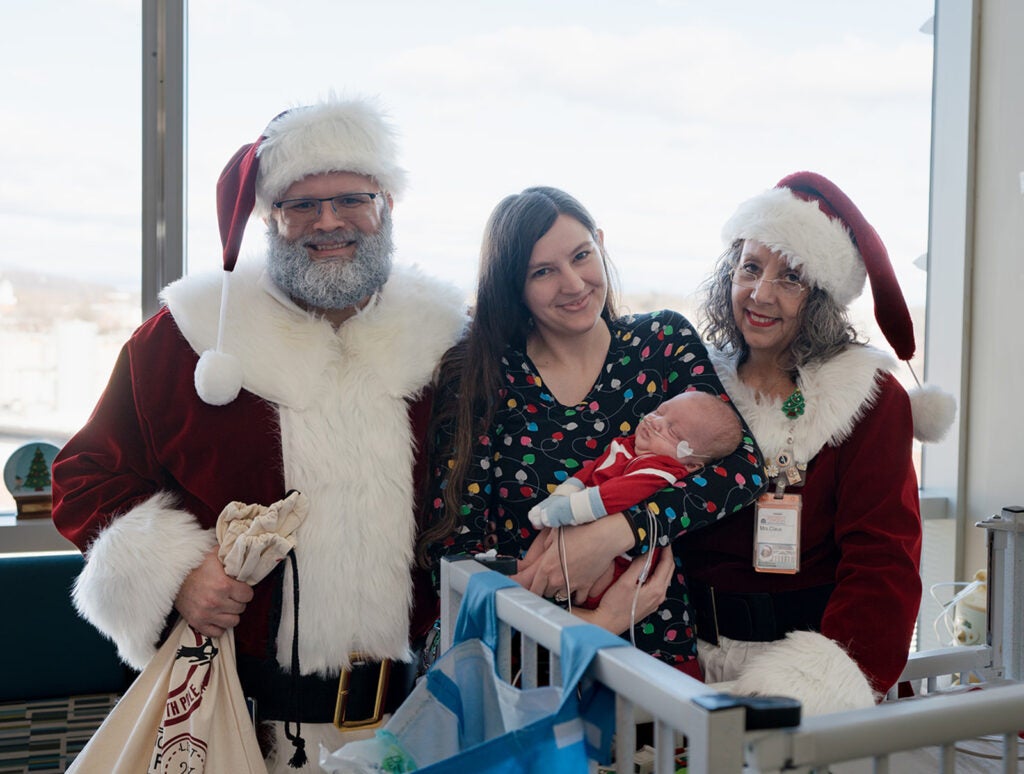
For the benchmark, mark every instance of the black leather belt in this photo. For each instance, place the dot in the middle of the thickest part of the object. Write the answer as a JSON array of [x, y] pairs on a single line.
[[358, 699], [756, 617]]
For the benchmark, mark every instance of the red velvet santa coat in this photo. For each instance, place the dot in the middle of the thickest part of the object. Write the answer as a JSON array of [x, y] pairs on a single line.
[[336, 414], [861, 525]]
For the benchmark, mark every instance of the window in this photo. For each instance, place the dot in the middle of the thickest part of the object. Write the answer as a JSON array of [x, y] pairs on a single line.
[[69, 212], [660, 115]]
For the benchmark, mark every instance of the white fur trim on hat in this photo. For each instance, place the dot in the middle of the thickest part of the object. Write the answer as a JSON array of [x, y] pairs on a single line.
[[332, 136], [806, 236], [811, 668]]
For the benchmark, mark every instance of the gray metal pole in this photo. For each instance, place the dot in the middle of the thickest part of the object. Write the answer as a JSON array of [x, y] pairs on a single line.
[[163, 146]]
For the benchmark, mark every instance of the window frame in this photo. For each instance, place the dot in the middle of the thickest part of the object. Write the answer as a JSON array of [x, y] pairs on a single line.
[[950, 219], [950, 252], [164, 121]]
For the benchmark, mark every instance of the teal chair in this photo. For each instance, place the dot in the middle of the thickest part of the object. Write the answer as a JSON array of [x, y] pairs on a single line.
[[47, 650]]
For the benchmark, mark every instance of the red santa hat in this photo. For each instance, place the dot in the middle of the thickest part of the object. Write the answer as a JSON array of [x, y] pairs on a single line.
[[817, 228], [336, 135]]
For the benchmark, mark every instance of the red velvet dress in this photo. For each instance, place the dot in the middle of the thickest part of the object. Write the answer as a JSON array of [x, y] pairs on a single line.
[[861, 524]]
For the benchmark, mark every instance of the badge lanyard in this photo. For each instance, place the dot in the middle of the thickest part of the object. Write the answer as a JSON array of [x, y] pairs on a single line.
[[777, 514]]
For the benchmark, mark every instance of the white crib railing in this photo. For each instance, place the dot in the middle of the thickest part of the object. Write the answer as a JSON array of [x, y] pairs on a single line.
[[714, 730]]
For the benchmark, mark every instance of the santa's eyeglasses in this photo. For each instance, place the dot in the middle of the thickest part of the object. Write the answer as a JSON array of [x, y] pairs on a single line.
[[306, 210]]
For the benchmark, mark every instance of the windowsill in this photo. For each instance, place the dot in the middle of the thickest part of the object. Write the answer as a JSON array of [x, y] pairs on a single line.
[[934, 505], [30, 536]]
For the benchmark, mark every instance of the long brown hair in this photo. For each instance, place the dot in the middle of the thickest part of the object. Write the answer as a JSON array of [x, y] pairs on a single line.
[[470, 374]]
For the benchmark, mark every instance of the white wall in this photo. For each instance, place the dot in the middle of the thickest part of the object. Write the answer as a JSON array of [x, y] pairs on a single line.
[[995, 398]]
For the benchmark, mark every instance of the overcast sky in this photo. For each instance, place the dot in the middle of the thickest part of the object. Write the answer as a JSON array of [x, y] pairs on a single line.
[[660, 115]]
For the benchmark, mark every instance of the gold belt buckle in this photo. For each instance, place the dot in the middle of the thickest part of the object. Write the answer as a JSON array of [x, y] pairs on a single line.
[[341, 721]]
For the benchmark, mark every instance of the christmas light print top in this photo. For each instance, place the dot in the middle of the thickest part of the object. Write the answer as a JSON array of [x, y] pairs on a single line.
[[536, 443]]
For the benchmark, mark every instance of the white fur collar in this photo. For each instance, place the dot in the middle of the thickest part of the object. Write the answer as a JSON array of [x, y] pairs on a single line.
[[837, 394], [282, 348], [346, 441]]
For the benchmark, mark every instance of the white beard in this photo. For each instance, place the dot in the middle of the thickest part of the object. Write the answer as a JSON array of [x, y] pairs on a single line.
[[331, 284]]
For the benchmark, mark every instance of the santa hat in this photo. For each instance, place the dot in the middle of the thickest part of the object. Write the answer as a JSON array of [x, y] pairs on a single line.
[[809, 221], [351, 135]]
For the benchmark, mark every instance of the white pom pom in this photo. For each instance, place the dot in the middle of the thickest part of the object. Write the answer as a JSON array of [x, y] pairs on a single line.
[[218, 377], [933, 411]]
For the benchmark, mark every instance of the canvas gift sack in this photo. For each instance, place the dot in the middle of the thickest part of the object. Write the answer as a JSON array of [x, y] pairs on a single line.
[[186, 711], [462, 717]]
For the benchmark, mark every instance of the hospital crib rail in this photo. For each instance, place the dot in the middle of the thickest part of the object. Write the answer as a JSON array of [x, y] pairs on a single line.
[[961, 693]]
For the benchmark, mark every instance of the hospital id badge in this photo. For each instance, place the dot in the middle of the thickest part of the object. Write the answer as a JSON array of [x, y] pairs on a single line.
[[777, 533]]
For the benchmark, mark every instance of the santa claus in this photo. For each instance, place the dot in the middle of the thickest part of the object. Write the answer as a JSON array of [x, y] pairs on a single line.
[[306, 368]]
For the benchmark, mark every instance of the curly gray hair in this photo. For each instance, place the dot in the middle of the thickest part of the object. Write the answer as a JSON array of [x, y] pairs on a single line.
[[824, 331]]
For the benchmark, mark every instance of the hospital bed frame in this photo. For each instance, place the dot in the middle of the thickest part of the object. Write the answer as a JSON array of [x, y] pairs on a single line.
[[960, 693]]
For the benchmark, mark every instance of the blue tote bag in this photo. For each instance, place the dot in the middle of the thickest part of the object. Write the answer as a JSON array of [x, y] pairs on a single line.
[[462, 717]]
